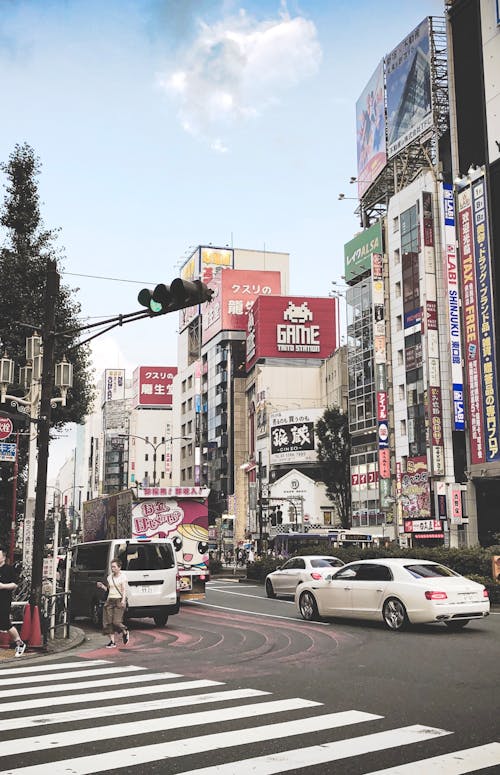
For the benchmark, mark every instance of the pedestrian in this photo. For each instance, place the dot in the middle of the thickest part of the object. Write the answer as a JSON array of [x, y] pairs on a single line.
[[8, 584], [115, 604]]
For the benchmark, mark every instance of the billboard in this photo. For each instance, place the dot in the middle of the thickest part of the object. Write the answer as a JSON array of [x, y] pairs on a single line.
[[415, 496], [235, 291], [114, 385], [293, 437], [471, 328], [358, 251], [370, 130], [153, 386], [486, 324], [450, 269], [408, 86], [202, 264], [291, 327], [107, 517]]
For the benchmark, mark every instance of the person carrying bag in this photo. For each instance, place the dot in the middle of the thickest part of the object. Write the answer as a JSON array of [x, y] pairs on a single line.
[[115, 605]]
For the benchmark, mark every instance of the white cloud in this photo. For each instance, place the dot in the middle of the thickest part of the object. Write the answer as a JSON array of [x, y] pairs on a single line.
[[106, 354], [237, 67]]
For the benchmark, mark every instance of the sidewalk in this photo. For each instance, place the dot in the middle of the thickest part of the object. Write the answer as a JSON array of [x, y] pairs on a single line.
[[56, 646]]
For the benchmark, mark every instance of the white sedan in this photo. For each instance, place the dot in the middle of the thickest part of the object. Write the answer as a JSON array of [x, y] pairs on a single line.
[[297, 570], [397, 591]]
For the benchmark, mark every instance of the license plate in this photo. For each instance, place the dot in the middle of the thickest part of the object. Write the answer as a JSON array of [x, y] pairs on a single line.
[[146, 590], [468, 596]]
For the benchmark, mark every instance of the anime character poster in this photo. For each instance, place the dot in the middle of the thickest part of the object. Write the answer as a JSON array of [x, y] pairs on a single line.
[[186, 523]]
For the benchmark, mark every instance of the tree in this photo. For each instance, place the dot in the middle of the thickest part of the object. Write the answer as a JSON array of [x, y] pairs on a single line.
[[334, 450], [27, 245]]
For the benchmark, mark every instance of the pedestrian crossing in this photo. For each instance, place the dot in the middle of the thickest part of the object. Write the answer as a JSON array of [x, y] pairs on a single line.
[[88, 725]]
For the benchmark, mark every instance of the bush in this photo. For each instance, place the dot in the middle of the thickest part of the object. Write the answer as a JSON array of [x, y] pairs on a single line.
[[468, 562]]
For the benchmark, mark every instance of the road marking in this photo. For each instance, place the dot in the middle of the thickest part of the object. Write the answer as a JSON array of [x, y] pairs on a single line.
[[105, 696], [140, 755], [31, 679], [82, 714], [251, 613], [454, 763], [130, 679], [142, 727], [320, 754], [254, 597], [29, 669]]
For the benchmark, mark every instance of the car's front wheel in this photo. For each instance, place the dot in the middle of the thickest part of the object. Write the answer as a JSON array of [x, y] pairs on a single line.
[[270, 589], [308, 607], [394, 614], [457, 624]]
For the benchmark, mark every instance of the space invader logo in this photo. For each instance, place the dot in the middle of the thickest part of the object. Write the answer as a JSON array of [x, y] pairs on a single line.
[[295, 336], [297, 313]]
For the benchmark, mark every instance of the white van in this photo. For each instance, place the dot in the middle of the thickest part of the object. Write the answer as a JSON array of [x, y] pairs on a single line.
[[150, 568]]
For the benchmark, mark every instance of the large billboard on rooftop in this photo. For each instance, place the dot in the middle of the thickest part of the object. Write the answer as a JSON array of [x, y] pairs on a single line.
[[408, 86], [370, 130]]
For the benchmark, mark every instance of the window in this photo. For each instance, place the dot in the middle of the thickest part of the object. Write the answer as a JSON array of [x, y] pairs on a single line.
[[401, 392], [429, 571], [397, 257], [402, 427], [400, 358], [91, 557], [395, 224], [146, 457], [162, 475], [399, 323], [397, 289]]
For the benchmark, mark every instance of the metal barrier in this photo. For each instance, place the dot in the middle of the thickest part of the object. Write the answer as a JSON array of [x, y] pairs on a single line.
[[55, 616]]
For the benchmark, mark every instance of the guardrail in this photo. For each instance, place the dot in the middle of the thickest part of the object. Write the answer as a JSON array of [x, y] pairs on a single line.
[[55, 616]]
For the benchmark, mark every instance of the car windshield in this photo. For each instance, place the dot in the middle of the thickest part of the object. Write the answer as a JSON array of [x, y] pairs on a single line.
[[326, 562], [146, 556], [429, 571]]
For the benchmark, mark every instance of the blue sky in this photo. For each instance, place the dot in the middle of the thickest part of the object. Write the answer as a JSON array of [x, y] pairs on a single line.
[[163, 124]]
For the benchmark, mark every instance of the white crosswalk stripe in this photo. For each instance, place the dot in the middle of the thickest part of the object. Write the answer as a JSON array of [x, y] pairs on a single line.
[[93, 735]]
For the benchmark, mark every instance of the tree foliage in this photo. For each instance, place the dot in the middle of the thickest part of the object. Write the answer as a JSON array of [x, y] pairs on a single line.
[[334, 450], [25, 247]]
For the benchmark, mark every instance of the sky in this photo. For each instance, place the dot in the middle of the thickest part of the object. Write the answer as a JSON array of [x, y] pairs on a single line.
[[165, 124]]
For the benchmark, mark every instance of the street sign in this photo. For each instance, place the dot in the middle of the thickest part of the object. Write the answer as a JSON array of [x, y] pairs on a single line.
[[6, 427], [7, 453]]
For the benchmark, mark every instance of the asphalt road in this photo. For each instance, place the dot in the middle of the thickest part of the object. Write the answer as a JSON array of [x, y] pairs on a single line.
[[335, 696]]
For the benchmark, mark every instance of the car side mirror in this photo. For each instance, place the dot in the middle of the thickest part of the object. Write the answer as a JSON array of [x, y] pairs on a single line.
[[329, 577]]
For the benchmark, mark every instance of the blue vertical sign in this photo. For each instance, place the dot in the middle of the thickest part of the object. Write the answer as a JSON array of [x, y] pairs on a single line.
[[453, 301]]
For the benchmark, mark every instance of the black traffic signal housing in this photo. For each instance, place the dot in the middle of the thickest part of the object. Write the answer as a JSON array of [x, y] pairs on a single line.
[[178, 295]]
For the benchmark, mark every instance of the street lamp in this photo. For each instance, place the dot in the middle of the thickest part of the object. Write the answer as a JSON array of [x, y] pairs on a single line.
[[154, 447], [30, 379]]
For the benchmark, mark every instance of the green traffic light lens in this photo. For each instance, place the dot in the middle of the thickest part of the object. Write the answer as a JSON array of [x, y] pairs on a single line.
[[155, 306]]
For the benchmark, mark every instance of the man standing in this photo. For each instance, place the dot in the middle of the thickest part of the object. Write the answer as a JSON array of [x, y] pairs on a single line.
[[7, 586]]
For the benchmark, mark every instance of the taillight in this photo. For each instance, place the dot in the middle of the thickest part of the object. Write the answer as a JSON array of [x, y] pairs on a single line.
[[430, 595], [486, 593], [316, 576]]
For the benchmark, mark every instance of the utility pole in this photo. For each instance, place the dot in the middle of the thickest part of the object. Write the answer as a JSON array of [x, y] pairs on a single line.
[[48, 342]]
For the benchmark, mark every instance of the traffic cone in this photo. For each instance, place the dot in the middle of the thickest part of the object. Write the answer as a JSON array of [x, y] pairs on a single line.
[[25, 633], [35, 638]]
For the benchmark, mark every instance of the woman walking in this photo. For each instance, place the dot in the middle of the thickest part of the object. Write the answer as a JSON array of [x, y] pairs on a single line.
[[114, 607]]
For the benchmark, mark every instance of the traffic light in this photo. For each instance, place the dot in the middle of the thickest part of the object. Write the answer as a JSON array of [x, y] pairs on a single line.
[[178, 295], [187, 293], [158, 301]]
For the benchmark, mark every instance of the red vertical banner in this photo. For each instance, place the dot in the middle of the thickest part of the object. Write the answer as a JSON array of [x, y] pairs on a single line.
[[471, 328]]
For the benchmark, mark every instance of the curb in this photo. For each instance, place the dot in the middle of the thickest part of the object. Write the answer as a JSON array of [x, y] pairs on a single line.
[[57, 646]]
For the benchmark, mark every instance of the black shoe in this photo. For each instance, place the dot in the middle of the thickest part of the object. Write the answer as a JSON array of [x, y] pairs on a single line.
[[110, 645], [126, 637]]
